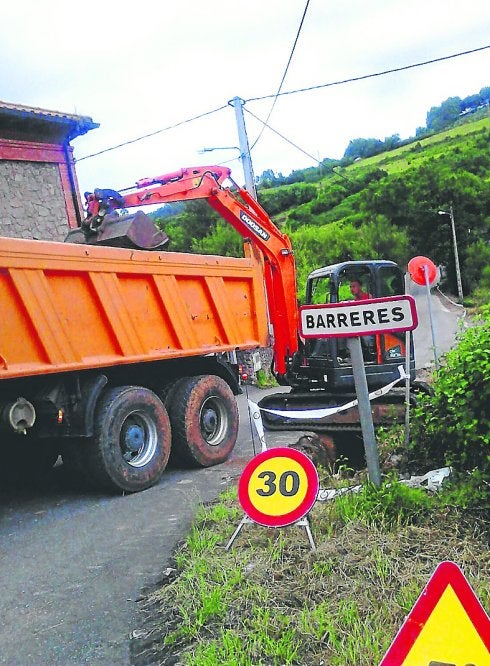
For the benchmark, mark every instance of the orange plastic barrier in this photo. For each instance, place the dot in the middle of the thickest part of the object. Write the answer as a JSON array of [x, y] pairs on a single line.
[[73, 307]]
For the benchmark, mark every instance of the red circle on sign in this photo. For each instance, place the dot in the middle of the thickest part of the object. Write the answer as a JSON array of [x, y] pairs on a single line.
[[417, 272], [278, 487]]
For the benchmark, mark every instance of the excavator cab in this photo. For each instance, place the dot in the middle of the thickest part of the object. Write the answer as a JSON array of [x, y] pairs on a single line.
[[326, 361]]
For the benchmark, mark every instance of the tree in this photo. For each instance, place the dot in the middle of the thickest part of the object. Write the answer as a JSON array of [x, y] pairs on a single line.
[[223, 240], [477, 264], [485, 95], [268, 179], [470, 103], [363, 148], [391, 142], [445, 115], [196, 221], [375, 238]]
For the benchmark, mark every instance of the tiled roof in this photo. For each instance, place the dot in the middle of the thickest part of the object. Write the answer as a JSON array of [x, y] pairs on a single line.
[[75, 125]]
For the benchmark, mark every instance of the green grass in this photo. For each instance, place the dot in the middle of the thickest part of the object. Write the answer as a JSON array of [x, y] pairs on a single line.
[[271, 601], [414, 154], [391, 505], [265, 379]]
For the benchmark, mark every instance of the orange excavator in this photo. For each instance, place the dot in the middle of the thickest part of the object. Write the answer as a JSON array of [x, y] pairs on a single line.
[[319, 372], [114, 350], [238, 208]]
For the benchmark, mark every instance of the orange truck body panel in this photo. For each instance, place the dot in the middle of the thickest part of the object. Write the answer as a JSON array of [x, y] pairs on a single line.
[[67, 307]]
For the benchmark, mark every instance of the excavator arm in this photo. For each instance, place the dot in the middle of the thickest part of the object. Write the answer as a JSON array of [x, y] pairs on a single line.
[[245, 215]]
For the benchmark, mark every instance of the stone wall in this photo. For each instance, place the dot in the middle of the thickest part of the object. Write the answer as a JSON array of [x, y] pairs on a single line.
[[32, 204]]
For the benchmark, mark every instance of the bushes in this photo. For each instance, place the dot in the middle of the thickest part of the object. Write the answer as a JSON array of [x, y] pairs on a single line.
[[452, 426], [477, 265], [328, 244], [282, 198]]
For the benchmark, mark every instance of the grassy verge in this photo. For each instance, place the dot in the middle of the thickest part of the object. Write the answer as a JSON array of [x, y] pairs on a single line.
[[270, 600]]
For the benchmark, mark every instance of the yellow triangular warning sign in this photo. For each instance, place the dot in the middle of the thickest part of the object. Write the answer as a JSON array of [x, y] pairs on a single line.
[[447, 626]]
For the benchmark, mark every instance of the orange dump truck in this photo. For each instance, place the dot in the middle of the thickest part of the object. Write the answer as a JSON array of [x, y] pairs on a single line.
[[114, 357]]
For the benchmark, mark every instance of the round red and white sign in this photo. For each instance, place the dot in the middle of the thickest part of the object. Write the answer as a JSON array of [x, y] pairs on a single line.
[[422, 269], [278, 487]]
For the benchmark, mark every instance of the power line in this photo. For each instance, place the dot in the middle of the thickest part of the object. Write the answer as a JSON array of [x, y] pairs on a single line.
[[146, 136], [369, 76], [279, 94], [283, 76], [265, 124]]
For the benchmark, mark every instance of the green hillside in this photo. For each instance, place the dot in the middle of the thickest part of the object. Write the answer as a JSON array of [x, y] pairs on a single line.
[[385, 206], [418, 151]]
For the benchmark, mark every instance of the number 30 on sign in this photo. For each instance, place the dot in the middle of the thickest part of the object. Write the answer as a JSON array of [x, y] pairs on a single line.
[[278, 487]]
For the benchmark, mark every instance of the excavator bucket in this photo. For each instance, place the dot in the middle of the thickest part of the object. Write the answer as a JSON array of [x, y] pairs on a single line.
[[136, 231]]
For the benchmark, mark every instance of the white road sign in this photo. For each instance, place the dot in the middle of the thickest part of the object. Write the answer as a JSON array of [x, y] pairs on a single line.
[[352, 318]]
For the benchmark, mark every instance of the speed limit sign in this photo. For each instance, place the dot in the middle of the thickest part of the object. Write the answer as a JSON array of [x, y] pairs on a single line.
[[278, 487]]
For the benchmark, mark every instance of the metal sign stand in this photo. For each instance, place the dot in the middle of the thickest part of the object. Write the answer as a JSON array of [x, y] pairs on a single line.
[[304, 522], [423, 271], [407, 389], [256, 419], [431, 316]]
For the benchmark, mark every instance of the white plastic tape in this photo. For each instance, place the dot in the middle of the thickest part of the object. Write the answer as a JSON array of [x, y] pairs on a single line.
[[256, 417], [328, 411]]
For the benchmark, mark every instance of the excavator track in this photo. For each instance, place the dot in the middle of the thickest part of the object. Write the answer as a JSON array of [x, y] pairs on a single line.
[[386, 411]]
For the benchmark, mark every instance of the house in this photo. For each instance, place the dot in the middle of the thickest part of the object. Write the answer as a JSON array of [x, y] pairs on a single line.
[[39, 195]]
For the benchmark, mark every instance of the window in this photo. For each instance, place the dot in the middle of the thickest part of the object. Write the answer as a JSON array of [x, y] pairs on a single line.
[[319, 290], [390, 281], [354, 284]]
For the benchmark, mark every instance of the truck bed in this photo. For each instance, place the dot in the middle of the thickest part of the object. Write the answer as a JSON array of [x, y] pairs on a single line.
[[74, 307]]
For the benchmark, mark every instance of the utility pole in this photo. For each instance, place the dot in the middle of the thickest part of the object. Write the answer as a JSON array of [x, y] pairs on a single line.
[[245, 157], [456, 257], [455, 245]]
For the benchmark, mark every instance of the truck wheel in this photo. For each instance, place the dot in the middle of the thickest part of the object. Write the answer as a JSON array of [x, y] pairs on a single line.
[[204, 417], [131, 445]]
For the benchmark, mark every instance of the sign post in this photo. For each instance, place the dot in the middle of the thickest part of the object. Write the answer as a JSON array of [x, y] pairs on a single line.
[[423, 271], [352, 319], [367, 426]]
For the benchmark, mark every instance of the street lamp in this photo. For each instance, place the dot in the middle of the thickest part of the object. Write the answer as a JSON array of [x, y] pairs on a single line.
[[209, 150], [456, 257]]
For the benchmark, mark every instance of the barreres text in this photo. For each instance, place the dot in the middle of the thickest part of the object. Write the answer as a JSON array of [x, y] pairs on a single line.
[[350, 319]]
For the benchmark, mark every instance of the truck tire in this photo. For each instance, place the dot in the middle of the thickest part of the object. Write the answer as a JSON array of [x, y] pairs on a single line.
[[204, 418], [131, 444], [26, 458]]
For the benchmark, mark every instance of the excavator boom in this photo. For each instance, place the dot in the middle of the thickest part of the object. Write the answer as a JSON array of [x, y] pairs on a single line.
[[246, 216]]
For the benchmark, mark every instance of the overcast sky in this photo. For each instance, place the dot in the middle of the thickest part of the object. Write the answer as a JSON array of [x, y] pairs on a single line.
[[135, 68]]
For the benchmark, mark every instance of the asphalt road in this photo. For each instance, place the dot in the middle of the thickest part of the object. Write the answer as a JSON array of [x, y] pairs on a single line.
[[447, 317], [72, 564]]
